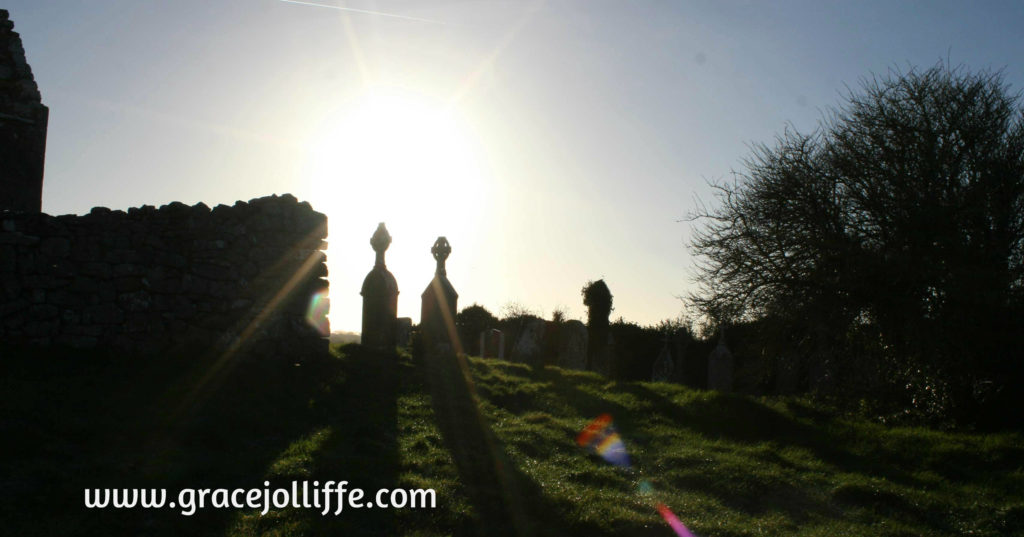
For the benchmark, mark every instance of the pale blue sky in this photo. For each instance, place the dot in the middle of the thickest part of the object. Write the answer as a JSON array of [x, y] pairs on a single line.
[[551, 142]]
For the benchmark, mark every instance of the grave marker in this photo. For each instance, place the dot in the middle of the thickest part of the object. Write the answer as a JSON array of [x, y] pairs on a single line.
[[439, 302], [380, 298]]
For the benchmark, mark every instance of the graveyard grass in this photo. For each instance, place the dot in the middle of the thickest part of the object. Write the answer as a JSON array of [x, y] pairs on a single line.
[[727, 465]]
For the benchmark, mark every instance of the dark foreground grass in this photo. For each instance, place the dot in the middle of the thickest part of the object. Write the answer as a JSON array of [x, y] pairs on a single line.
[[495, 440]]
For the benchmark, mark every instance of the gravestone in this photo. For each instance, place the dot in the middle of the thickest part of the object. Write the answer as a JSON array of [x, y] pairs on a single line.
[[492, 344], [380, 298], [720, 367], [439, 302], [572, 346], [528, 347], [663, 365], [607, 367], [598, 300], [787, 375], [680, 343], [403, 332], [549, 344], [819, 375]]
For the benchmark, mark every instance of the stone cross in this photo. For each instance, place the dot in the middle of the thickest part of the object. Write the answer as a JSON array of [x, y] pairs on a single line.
[[380, 298], [439, 303], [380, 241], [441, 250]]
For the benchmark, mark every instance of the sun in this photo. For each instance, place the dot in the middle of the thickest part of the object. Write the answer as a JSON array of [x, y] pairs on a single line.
[[399, 159], [396, 157]]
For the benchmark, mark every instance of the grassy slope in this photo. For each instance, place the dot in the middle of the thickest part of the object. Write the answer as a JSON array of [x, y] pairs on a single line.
[[727, 465]]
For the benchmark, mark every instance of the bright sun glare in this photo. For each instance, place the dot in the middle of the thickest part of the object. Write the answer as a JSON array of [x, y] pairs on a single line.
[[393, 154], [399, 160]]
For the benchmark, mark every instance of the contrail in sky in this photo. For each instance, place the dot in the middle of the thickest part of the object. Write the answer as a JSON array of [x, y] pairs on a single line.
[[364, 11]]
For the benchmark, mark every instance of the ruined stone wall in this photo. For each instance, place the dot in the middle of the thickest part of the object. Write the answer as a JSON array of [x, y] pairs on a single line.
[[173, 279], [23, 120]]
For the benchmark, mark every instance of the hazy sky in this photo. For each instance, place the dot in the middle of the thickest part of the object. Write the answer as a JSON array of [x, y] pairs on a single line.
[[552, 142]]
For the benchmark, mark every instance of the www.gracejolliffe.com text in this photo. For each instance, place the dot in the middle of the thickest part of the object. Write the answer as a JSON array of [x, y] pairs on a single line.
[[329, 498]]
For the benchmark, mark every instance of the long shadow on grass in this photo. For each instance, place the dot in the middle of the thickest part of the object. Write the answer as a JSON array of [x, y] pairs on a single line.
[[505, 500], [354, 439], [103, 421]]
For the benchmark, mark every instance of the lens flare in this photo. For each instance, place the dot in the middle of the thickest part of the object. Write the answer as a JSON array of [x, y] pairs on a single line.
[[645, 488], [673, 521], [316, 314], [601, 437]]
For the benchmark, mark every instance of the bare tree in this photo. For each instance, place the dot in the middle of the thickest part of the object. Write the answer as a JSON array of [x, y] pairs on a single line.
[[902, 216]]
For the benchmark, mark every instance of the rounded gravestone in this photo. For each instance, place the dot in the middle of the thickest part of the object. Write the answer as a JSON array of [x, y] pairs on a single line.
[[380, 298]]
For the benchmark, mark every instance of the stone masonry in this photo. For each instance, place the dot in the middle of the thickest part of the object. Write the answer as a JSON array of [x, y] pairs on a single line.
[[23, 120], [163, 280]]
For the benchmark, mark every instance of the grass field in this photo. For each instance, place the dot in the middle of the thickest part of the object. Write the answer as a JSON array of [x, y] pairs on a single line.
[[495, 440]]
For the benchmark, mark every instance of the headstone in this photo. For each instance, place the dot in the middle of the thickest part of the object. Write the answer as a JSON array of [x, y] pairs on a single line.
[[403, 331], [380, 298], [663, 365], [819, 375], [598, 300], [720, 367], [680, 342], [787, 375], [606, 366], [439, 303], [549, 344], [528, 347], [572, 346], [492, 344]]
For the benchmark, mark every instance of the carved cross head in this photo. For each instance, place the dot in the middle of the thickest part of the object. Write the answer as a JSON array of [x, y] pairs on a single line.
[[380, 241], [441, 250]]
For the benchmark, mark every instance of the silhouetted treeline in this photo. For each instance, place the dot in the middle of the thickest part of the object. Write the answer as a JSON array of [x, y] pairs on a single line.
[[881, 257]]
